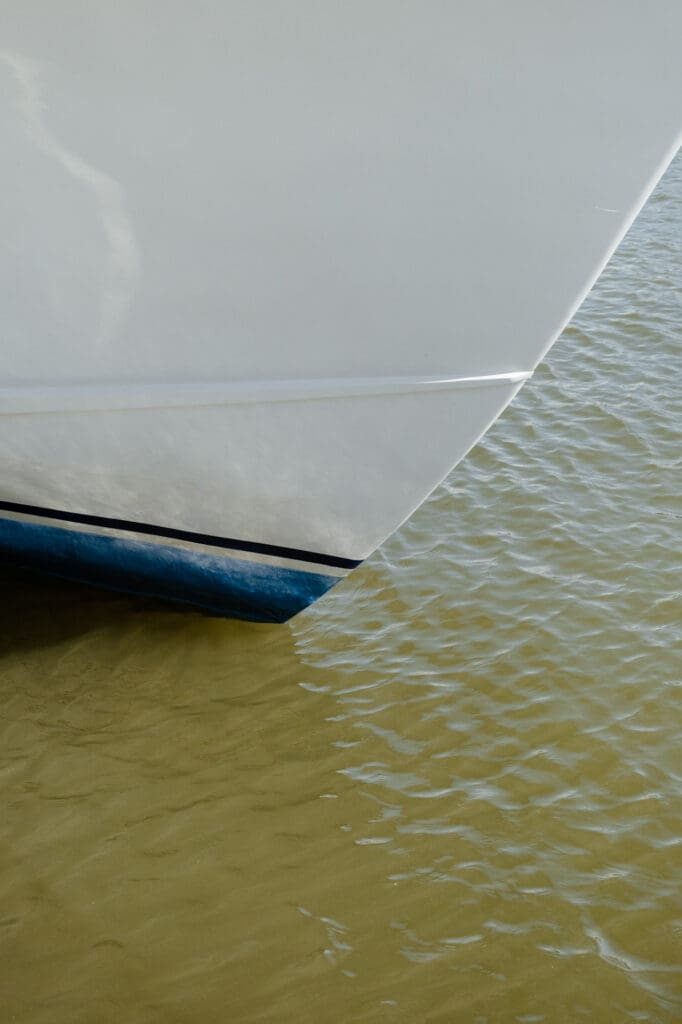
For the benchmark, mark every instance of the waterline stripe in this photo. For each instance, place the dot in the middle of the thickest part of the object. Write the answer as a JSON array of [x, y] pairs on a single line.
[[235, 587], [21, 400], [126, 525], [171, 544]]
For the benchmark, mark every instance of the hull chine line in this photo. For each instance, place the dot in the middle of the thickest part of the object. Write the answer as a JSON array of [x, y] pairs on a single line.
[[24, 400]]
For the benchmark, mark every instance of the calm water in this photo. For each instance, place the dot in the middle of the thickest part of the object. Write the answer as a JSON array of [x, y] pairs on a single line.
[[449, 793]]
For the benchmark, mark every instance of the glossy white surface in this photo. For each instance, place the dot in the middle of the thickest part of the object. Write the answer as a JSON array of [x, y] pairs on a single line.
[[324, 475], [269, 193]]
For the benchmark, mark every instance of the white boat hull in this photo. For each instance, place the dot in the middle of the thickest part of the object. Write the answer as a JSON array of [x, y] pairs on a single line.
[[272, 269]]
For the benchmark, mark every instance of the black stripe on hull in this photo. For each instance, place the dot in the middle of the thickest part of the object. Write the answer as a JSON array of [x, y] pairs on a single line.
[[106, 522]]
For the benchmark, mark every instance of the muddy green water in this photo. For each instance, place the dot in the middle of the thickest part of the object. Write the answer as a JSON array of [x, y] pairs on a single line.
[[450, 792]]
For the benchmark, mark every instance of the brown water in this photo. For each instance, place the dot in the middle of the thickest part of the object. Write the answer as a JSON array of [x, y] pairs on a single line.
[[450, 792]]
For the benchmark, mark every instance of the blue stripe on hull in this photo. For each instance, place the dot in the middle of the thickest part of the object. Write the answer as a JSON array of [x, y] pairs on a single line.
[[227, 586]]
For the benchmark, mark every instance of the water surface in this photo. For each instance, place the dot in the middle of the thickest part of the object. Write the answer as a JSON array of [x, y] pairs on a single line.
[[450, 792]]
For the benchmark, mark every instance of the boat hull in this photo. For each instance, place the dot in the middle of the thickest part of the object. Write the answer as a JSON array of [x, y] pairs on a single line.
[[270, 270]]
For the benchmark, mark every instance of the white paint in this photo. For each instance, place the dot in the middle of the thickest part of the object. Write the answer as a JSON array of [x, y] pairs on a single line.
[[362, 222]]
